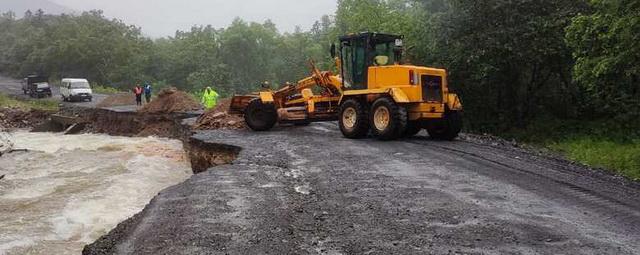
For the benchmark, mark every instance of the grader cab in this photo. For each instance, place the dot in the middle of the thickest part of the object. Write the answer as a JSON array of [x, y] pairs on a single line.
[[374, 93]]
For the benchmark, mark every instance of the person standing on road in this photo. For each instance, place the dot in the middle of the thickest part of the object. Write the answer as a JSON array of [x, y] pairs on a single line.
[[209, 98], [138, 92], [147, 92]]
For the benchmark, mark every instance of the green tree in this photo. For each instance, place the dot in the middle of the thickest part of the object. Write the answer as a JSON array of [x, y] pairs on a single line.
[[248, 49], [89, 45], [605, 46], [507, 59]]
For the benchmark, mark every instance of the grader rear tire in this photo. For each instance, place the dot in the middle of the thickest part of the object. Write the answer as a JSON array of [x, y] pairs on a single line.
[[448, 128], [260, 116]]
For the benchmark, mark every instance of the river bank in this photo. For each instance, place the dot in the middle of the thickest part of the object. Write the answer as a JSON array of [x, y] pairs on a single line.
[[60, 192]]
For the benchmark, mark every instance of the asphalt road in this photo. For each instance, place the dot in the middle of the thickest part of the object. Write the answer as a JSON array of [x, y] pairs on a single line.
[[308, 190], [13, 87]]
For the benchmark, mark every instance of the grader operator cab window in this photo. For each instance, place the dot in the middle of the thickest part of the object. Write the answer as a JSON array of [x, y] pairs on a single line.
[[355, 66], [384, 54], [360, 51]]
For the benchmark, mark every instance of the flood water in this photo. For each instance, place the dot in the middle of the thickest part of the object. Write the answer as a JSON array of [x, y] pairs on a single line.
[[67, 191]]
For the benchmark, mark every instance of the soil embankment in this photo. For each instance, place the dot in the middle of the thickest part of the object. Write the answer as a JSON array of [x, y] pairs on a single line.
[[15, 118], [169, 125]]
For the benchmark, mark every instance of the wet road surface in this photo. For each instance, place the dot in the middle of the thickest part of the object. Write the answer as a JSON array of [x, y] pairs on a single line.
[[308, 190]]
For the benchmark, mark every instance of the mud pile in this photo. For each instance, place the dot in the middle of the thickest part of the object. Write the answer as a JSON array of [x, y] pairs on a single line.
[[15, 118], [171, 100], [219, 118], [119, 99]]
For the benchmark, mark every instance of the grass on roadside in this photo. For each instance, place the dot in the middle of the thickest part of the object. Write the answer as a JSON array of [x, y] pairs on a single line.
[[98, 89], [621, 157], [42, 104], [594, 143]]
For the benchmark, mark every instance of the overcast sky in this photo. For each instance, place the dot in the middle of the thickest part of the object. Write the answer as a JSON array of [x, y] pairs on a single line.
[[163, 17]]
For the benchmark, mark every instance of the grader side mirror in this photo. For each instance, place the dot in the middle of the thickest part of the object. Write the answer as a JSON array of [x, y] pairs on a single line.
[[333, 50]]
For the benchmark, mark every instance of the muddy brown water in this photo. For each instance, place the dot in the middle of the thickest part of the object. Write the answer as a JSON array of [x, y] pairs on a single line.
[[67, 191]]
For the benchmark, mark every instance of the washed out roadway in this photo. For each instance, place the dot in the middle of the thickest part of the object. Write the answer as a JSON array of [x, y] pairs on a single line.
[[308, 190]]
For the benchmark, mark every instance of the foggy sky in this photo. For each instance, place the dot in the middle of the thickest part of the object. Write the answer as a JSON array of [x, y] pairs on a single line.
[[163, 17]]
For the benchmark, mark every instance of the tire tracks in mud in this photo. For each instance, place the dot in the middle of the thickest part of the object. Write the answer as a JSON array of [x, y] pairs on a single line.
[[554, 180]]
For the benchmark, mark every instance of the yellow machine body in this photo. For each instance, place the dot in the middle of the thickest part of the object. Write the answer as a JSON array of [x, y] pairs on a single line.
[[392, 81], [423, 91], [395, 81]]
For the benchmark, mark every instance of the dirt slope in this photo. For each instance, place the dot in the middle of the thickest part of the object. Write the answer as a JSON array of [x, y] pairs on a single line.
[[171, 100], [219, 118], [11, 118]]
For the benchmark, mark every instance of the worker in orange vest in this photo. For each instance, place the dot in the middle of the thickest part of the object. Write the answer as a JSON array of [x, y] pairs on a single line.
[[138, 91]]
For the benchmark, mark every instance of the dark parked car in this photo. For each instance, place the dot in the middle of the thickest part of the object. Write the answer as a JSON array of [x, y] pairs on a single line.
[[40, 90], [36, 86]]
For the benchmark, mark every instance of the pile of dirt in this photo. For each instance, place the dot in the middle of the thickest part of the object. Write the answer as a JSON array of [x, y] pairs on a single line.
[[219, 118], [15, 118], [119, 99], [172, 100]]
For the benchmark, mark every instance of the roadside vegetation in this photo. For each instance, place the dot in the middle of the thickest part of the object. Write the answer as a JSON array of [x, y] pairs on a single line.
[[603, 152], [595, 143], [540, 71], [43, 104], [99, 89]]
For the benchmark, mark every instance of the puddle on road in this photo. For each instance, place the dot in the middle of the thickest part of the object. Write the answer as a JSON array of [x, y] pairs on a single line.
[[70, 190], [304, 189]]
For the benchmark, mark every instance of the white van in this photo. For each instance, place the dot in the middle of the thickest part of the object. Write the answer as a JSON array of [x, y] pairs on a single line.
[[76, 90]]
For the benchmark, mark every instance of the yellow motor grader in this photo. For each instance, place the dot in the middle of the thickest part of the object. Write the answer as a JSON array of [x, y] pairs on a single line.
[[373, 94]]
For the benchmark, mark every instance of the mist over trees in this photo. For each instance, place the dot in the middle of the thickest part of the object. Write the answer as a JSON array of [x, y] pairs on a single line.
[[512, 62]]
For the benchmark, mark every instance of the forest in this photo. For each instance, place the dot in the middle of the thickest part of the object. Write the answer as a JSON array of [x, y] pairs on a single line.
[[536, 70]]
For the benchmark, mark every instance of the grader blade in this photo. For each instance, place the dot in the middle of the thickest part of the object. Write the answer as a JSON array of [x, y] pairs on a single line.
[[240, 103]]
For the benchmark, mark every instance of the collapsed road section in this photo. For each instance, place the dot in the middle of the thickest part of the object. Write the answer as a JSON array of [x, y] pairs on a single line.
[[307, 190], [59, 192]]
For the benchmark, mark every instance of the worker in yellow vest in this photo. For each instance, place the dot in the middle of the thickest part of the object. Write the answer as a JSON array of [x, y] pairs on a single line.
[[209, 98]]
